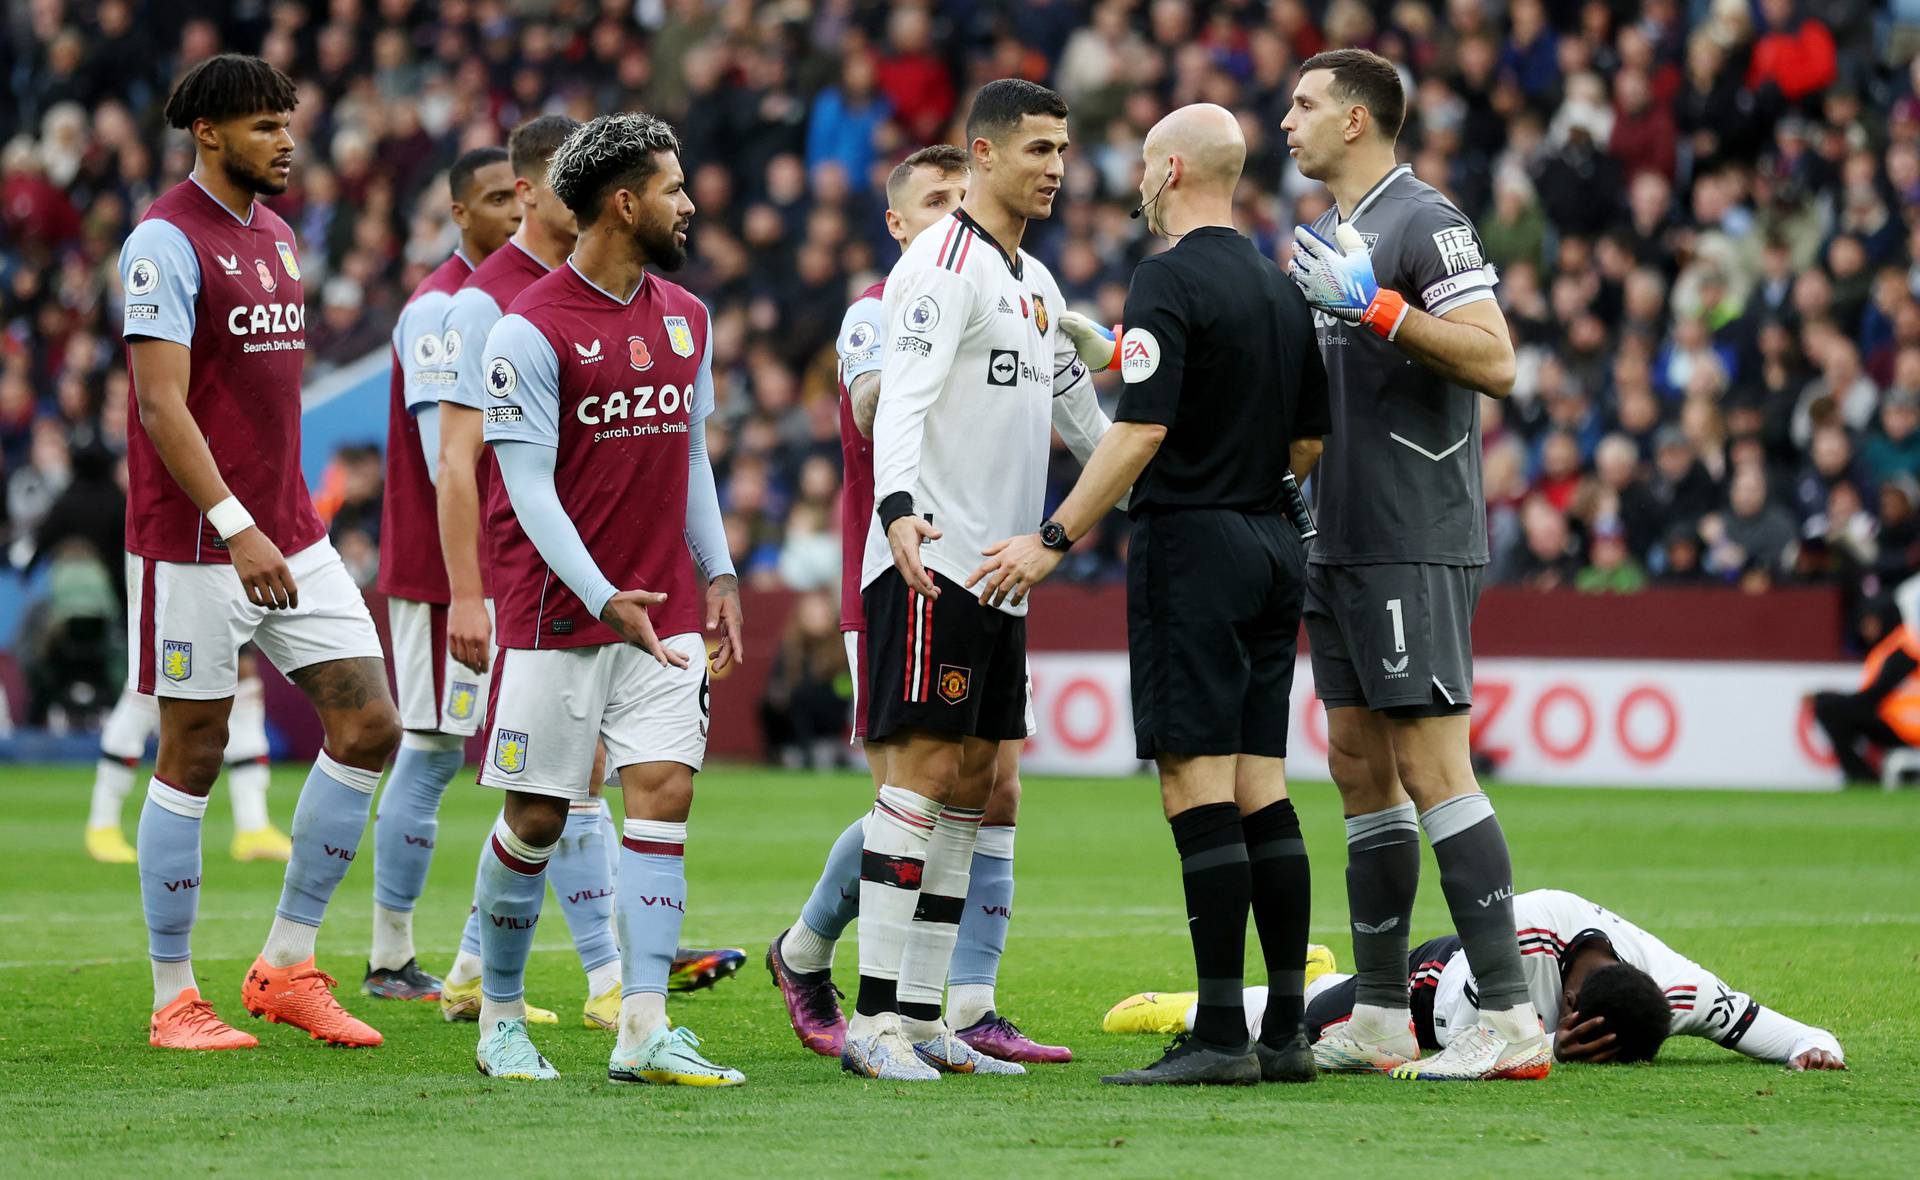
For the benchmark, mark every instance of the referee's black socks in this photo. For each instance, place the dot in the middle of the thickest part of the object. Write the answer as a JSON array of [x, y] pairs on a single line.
[[1214, 870], [1282, 902]]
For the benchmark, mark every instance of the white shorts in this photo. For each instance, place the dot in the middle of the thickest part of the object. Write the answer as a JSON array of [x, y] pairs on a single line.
[[548, 707], [856, 643], [186, 623], [438, 694]]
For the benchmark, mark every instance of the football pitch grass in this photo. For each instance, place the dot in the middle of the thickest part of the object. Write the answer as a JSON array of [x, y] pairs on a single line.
[[1812, 903]]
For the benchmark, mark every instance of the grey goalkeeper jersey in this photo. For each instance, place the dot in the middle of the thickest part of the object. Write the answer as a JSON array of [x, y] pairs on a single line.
[[1400, 478]]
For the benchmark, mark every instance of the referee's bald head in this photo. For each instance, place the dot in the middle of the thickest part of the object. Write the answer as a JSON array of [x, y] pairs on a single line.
[[1206, 139]]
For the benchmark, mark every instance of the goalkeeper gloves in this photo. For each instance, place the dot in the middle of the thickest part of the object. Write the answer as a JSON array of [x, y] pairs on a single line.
[[1339, 280], [1098, 348]]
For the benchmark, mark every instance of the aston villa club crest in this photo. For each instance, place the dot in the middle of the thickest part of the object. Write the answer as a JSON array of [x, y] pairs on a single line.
[[509, 751], [954, 682], [637, 354], [287, 261], [1040, 313], [264, 273], [679, 334], [460, 700], [176, 660]]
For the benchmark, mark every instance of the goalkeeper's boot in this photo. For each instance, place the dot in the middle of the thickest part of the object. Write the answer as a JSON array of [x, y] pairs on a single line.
[[1320, 961], [996, 1036], [813, 1003], [696, 969], [109, 846], [603, 1011], [887, 1055], [507, 1052], [268, 843], [1503, 1046], [189, 1023], [949, 1054], [461, 1001], [302, 996], [1291, 1062], [1150, 1012], [670, 1057], [1191, 1062], [1363, 1043], [407, 982]]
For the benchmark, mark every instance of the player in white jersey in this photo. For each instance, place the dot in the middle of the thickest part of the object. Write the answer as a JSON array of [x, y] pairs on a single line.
[[123, 743], [972, 365], [1611, 991]]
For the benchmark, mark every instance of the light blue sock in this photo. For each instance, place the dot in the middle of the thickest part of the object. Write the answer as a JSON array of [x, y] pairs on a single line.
[[983, 925], [327, 826], [513, 883], [652, 902], [835, 900], [470, 933], [409, 817], [585, 887], [169, 852]]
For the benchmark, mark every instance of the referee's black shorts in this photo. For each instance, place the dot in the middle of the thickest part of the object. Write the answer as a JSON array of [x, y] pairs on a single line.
[[947, 665], [1213, 625]]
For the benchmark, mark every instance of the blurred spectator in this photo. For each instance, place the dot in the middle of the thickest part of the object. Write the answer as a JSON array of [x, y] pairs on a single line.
[[805, 711], [1611, 566], [1752, 535]]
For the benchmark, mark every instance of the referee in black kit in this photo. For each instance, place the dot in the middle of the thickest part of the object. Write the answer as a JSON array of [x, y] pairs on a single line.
[[1224, 407]]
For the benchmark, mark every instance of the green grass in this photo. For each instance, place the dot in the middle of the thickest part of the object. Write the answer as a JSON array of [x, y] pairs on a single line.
[[1809, 902]]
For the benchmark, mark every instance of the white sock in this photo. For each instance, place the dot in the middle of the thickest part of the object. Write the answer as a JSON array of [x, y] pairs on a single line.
[[247, 784], [805, 951], [494, 1011], [465, 969], [1381, 1022], [969, 1003], [602, 977], [169, 980], [112, 779], [289, 943], [1518, 1023], [641, 1015], [392, 938], [860, 1025]]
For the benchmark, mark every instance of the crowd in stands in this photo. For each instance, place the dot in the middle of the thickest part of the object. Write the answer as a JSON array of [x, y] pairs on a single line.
[[1703, 213]]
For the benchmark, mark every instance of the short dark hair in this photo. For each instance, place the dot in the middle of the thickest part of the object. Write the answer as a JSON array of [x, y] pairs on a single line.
[[943, 158], [612, 152], [1634, 1007], [1000, 105], [1364, 77], [227, 87], [460, 176], [531, 146]]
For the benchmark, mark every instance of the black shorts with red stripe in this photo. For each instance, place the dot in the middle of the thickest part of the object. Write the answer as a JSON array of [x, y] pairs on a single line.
[[946, 665]]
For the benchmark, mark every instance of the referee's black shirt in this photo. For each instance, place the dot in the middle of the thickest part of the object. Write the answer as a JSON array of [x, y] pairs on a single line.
[[1220, 350]]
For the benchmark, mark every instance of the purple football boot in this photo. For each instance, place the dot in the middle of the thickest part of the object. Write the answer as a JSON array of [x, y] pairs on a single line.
[[813, 1004], [996, 1036]]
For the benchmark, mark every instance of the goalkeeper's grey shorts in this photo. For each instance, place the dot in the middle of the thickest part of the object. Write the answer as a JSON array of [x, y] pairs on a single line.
[[1393, 637]]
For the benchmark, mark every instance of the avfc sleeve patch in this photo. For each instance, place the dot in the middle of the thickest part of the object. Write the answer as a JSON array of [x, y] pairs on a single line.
[[1139, 356]]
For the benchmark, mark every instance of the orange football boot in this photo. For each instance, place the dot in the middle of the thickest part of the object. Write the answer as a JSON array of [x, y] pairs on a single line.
[[302, 996], [189, 1023]]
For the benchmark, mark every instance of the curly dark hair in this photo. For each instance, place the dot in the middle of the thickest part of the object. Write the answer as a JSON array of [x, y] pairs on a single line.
[[227, 87], [1634, 1007]]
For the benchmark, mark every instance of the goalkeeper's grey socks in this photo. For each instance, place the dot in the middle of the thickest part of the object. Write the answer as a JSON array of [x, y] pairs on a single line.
[[1282, 897], [1476, 874], [1383, 874]]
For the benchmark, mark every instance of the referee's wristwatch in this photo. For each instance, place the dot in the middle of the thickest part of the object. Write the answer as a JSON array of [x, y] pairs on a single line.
[[1053, 535]]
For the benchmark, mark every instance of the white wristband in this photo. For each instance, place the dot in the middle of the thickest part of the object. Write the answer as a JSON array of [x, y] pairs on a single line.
[[228, 517]]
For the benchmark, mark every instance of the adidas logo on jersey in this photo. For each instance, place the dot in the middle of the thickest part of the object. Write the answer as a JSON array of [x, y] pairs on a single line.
[[1005, 307], [587, 355]]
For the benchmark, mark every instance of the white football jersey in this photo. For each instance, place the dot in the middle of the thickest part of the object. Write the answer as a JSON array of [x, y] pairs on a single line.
[[1550, 921], [975, 373]]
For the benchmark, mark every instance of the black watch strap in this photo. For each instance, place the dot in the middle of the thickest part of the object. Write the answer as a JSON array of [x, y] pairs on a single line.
[[1053, 535]]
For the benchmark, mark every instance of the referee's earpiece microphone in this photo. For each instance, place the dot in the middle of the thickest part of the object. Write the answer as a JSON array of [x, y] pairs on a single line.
[[1142, 206]]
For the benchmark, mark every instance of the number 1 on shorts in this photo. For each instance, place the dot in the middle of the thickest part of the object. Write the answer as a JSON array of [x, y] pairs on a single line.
[[1399, 626]]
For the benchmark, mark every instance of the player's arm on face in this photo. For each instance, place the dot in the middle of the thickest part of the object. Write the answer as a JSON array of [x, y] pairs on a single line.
[[931, 309], [524, 431], [459, 413], [861, 347], [706, 529], [159, 325]]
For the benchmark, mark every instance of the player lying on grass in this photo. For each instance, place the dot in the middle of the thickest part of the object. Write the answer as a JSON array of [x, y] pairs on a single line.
[[1611, 991]]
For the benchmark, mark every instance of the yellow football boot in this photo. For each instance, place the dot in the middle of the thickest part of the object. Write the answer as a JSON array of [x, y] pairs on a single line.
[[461, 1001], [603, 1011], [109, 846], [268, 843], [1320, 961], [1150, 1012]]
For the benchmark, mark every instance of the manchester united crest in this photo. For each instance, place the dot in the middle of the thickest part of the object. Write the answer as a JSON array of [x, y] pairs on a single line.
[[954, 682], [1040, 313]]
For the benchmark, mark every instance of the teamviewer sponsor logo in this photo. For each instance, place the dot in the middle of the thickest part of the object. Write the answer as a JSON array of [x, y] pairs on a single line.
[[1003, 367]]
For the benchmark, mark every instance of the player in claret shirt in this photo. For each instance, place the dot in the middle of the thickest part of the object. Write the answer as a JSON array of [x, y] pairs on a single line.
[[224, 546], [599, 381]]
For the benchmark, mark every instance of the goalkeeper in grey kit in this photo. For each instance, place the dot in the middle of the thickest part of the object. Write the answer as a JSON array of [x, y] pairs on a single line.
[[1411, 335]]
